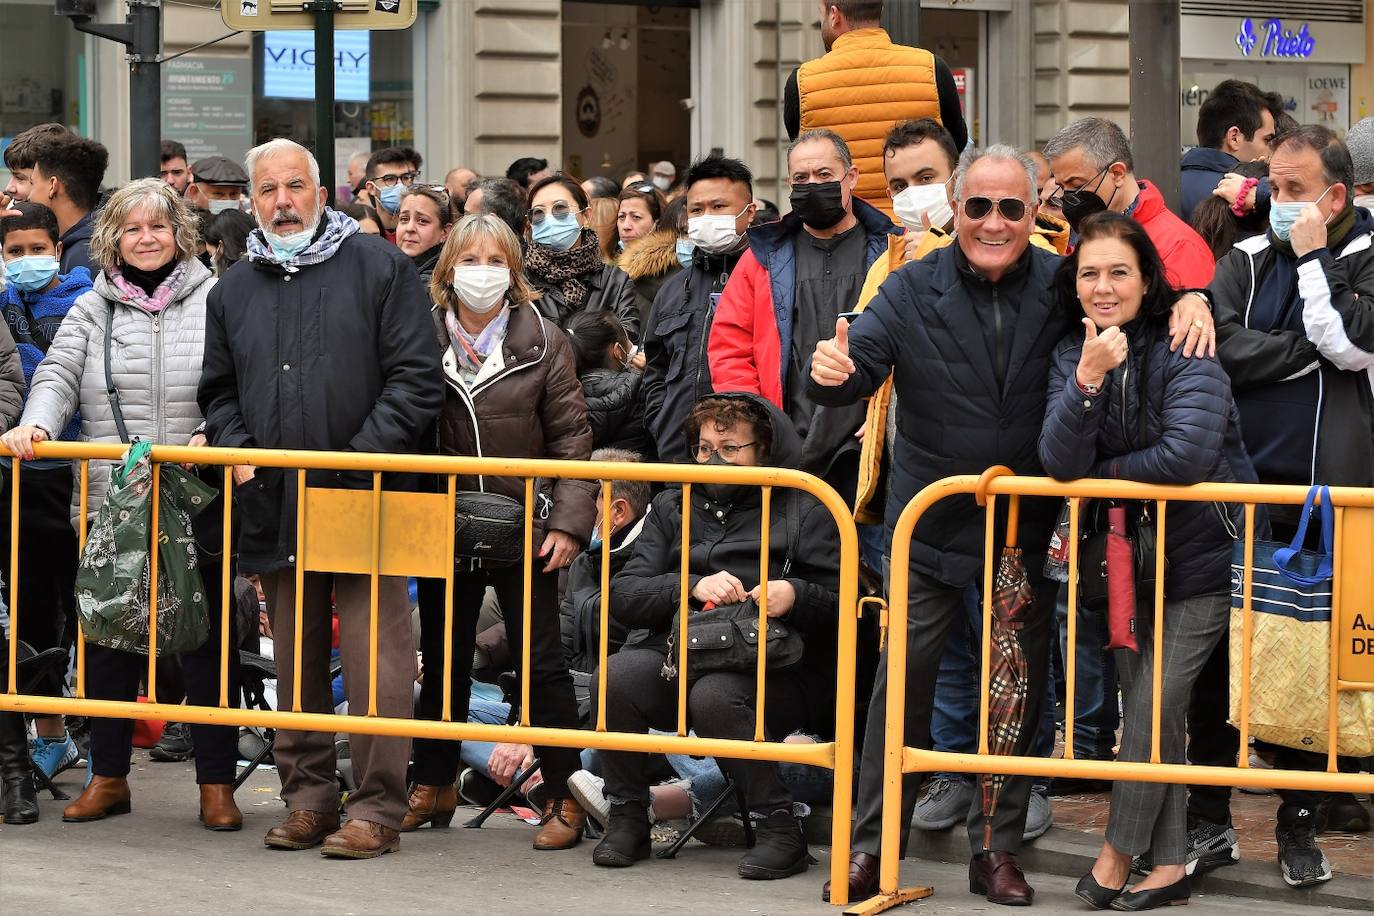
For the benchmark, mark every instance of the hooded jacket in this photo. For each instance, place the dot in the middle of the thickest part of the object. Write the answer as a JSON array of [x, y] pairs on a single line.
[[155, 360], [1336, 345], [1201, 169], [615, 410], [531, 408], [76, 246], [334, 356], [34, 320], [649, 262], [925, 329], [645, 594], [1191, 434]]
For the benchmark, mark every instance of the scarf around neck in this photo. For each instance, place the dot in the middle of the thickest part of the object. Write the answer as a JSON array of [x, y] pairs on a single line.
[[337, 227], [568, 270], [155, 301], [472, 350]]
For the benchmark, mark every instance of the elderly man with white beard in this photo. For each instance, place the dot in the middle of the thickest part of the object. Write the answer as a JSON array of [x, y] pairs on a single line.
[[321, 338]]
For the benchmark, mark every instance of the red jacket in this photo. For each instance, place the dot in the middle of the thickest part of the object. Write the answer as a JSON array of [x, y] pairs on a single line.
[[1187, 260]]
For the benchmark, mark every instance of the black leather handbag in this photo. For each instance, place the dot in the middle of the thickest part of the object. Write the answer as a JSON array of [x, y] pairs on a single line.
[[489, 527]]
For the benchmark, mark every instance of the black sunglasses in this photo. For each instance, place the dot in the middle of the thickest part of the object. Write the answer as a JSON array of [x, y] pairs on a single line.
[[1011, 208]]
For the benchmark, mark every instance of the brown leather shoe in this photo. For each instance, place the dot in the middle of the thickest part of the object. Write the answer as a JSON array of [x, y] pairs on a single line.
[[562, 825], [106, 795], [430, 805], [360, 839], [302, 829], [996, 876], [863, 878], [217, 808]]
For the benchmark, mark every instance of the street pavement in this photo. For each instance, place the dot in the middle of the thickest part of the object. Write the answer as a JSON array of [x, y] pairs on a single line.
[[159, 860]]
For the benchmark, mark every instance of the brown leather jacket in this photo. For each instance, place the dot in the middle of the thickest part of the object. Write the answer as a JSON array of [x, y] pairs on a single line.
[[531, 408]]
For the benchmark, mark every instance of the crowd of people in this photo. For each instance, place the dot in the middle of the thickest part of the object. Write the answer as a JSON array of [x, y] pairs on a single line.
[[1042, 309]]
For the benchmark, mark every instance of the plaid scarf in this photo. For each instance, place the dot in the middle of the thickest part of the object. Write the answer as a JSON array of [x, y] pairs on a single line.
[[567, 269], [160, 297], [337, 227], [472, 351]]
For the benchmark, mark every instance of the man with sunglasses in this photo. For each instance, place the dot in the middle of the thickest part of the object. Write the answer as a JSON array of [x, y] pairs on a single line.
[[1092, 164], [967, 334], [389, 173]]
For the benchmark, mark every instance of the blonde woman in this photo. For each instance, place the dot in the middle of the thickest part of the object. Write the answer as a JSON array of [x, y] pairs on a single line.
[[512, 392], [144, 319]]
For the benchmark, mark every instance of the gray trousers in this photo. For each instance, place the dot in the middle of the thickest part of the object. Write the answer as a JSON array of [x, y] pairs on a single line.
[[932, 607], [1153, 815], [306, 760]]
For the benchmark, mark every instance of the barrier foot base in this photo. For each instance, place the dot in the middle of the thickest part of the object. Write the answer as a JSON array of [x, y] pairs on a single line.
[[887, 901]]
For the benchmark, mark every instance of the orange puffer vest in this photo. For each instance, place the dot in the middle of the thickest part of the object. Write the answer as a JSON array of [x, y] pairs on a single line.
[[859, 89]]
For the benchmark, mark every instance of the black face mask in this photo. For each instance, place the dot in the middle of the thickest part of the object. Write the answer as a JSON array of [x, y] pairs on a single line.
[[820, 204], [1080, 204], [728, 494]]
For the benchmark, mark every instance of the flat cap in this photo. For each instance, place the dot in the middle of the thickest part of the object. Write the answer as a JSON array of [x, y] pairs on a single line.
[[219, 170]]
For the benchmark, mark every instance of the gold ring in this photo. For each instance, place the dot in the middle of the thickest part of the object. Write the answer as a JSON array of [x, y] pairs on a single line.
[[1197, 323]]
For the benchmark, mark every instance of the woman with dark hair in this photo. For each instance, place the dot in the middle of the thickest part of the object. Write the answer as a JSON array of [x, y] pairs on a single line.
[[651, 259], [367, 219], [1123, 405], [422, 225], [639, 208], [610, 381], [1217, 222], [564, 263], [226, 238], [724, 568]]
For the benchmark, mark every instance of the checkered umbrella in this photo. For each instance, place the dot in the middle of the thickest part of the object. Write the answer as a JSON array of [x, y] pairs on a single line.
[[1007, 676]]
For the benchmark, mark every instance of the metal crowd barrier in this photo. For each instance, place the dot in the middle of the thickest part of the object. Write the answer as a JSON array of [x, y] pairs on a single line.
[[1354, 566], [379, 532]]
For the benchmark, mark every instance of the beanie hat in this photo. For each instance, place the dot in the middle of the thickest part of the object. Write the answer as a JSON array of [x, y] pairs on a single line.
[[1360, 141]]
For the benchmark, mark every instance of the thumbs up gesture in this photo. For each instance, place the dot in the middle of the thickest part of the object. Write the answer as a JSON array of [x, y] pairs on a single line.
[[831, 365], [1101, 354]]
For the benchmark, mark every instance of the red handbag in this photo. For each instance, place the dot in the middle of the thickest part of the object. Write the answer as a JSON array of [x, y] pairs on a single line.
[[1120, 582]]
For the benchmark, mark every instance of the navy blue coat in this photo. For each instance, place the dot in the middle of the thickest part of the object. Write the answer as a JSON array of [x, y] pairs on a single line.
[[1192, 435], [1200, 170]]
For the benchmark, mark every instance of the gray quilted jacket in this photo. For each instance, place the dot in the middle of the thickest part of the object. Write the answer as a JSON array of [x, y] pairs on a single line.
[[155, 360]]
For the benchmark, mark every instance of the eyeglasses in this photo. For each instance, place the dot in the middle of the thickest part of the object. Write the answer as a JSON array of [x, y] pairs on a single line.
[[703, 452], [1011, 208], [389, 181], [557, 211]]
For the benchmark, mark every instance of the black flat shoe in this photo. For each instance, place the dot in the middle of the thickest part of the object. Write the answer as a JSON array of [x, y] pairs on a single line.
[[1175, 894], [1094, 894]]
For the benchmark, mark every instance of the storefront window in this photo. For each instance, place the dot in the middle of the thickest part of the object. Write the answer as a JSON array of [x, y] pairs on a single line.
[[42, 70]]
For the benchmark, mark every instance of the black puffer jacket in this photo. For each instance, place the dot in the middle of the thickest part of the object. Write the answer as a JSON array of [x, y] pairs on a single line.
[[645, 595], [615, 409], [1191, 435]]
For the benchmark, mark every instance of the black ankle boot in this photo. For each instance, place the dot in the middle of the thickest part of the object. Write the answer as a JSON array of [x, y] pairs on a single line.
[[779, 849], [627, 837], [18, 797]]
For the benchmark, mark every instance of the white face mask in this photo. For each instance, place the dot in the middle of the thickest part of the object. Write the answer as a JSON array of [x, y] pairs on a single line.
[[663, 183], [928, 200], [716, 233], [481, 287], [219, 206], [1365, 200]]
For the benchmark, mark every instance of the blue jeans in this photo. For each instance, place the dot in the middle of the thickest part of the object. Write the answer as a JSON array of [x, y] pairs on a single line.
[[808, 784], [1096, 714], [488, 708], [954, 726]]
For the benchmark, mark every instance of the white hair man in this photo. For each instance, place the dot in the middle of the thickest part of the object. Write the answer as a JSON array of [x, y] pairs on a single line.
[[322, 340]]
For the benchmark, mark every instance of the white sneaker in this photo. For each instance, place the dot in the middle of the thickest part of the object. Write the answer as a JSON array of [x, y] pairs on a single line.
[[589, 790]]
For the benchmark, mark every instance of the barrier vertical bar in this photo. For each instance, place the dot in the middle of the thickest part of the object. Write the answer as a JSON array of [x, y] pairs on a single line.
[[81, 546], [762, 671], [894, 732], [1071, 653], [1246, 622], [449, 572], [1157, 669], [300, 590], [985, 664], [374, 592], [526, 615], [684, 593], [603, 649], [226, 584], [153, 580], [842, 797], [13, 677], [1333, 689]]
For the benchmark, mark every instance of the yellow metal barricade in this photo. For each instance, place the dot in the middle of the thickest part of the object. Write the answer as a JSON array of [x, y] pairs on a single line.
[[376, 532], [1351, 666]]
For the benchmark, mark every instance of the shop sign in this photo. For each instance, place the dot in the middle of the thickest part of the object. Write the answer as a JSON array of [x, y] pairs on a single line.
[[207, 104], [1273, 40]]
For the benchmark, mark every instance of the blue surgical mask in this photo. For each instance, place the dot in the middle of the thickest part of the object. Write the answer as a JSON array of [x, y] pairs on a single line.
[[31, 272], [390, 198], [685, 247], [556, 232], [1282, 216], [286, 247]]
